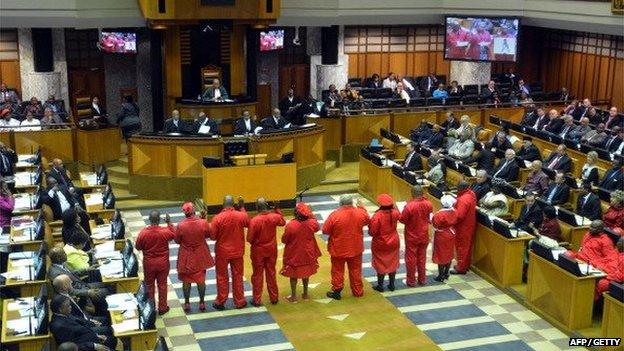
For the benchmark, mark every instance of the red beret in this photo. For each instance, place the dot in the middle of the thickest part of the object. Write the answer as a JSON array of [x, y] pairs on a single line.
[[304, 210], [384, 200], [188, 209]]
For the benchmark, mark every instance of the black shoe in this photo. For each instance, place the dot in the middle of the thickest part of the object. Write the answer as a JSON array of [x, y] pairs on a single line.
[[379, 288], [457, 272], [391, 287], [218, 307], [334, 295], [439, 278], [274, 302], [254, 303]]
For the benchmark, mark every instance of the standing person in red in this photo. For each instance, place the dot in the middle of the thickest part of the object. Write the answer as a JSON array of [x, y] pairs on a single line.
[[596, 247], [228, 229], [261, 235], [346, 245], [193, 255], [301, 252], [466, 211], [443, 223], [154, 240], [386, 243], [415, 216]]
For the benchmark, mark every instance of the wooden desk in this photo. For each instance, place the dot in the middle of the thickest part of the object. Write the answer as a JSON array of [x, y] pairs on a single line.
[[87, 186], [97, 210], [362, 128], [98, 146], [21, 342], [374, 180], [612, 320], [563, 298], [271, 181], [25, 287], [137, 339], [54, 143], [498, 258], [573, 235], [123, 284], [227, 112]]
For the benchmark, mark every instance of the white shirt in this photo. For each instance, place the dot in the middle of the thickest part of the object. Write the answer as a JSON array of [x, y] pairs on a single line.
[[387, 83], [217, 93], [247, 124], [407, 84], [97, 108], [11, 123], [405, 96], [35, 124], [62, 200]]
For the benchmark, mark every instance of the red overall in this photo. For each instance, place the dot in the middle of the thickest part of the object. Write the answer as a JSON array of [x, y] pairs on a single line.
[[443, 222], [154, 242], [346, 244], [228, 229], [615, 272], [466, 211], [301, 252], [452, 39], [614, 218], [415, 216], [194, 254], [261, 235], [386, 244], [596, 250]]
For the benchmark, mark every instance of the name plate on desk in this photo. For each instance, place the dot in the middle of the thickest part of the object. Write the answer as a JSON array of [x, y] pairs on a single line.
[[247, 160]]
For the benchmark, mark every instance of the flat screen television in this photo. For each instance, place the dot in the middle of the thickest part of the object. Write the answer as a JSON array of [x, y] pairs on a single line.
[[272, 40], [481, 38], [118, 42]]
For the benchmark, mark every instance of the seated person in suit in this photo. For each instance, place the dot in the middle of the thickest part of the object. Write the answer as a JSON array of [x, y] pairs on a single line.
[[462, 148], [333, 96], [216, 92], [500, 142], [245, 125], [549, 227], [559, 160], [58, 198], [530, 214], [34, 107], [614, 177], [537, 181], [429, 83], [614, 143], [52, 104], [484, 158], [594, 116], [554, 122], [401, 93], [581, 109], [435, 139], [79, 286], [490, 94], [588, 204], [542, 119], [291, 102], [581, 130], [589, 172], [86, 334], [507, 168], [8, 159], [568, 128], [59, 173], [82, 308], [440, 92], [481, 186], [7, 95], [437, 170], [50, 120], [450, 122], [174, 124], [423, 132], [614, 216], [206, 125], [494, 203], [455, 90], [275, 121], [408, 86], [412, 159], [558, 191], [564, 94], [374, 82], [75, 220], [596, 137], [390, 81], [96, 109], [612, 119], [347, 94], [528, 151], [530, 117]]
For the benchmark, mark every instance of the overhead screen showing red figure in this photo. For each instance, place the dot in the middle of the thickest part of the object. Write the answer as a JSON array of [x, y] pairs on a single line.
[[481, 39]]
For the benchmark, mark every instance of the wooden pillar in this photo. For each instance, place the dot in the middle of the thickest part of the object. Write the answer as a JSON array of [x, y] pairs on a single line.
[[238, 79], [173, 67]]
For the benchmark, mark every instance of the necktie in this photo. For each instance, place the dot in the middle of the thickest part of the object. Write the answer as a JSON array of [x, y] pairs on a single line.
[[609, 143], [554, 162], [552, 193], [501, 169], [5, 168], [408, 159], [585, 201]]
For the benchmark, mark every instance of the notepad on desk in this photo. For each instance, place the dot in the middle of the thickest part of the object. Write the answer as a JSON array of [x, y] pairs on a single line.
[[126, 325], [94, 199], [21, 325]]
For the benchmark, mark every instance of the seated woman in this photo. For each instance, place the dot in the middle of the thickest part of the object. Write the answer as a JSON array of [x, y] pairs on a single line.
[[614, 216], [494, 203], [77, 257], [589, 172], [7, 203], [73, 223], [549, 228], [437, 170], [596, 248], [349, 94]]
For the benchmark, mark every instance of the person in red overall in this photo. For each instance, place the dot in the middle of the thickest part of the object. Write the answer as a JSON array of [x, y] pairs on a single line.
[[228, 229], [346, 245], [456, 41], [596, 247], [193, 255], [614, 216], [261, 235], [479, 44], [443, 223], [466, 211], [154, 240], [416, 216], [385, 245], [301, 252], [614, 268]]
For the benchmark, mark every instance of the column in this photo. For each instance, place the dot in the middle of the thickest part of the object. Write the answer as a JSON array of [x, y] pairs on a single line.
[[467, 72], [321, 76]]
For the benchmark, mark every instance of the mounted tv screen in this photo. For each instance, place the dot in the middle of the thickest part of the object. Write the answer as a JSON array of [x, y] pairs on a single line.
[[118, 42], [481, 39], [272, 40]]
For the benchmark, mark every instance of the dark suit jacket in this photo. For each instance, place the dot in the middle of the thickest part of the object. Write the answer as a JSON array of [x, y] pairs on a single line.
[[454, 124], [209, 93], [434, 141], [509, 172], [95, 112], [561, 196], [60, 176], [415, 163], [579, 112], [617, 121], [564, 164], [613, 179], [480, 189], [170, 127], [566, 133], [458, 93], [55, 203], [79, 288], [528, 215], [76, 330], [531, 153], [424, 82], [554, 126], [490, 96], [614, 145], [240, 128], [375, 85], [214, 127], [591, 209], [529, 119], [543, 121], [502, 147], [9, 168], [285, 104], [269, 123], [484, 159]]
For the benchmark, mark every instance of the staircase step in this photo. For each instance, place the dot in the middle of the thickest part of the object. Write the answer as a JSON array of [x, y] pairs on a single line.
[[331, 189], [330, 166], [118, 171], [339, 181]]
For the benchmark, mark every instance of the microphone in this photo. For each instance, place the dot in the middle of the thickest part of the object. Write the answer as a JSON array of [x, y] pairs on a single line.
[[300, 195]]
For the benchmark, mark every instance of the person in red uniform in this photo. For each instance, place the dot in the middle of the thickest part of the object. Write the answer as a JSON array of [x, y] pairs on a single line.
[[228, 229], [416, 216], [193, 255], [261, 235], [456, 41], [154, 240], [346, 245], [443, 223], [466, 211], [596, 247], [301, 252], [614, 217], [385, 245], [614, 268]]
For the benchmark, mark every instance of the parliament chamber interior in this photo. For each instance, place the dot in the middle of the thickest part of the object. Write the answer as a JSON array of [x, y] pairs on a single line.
[[462, 160]]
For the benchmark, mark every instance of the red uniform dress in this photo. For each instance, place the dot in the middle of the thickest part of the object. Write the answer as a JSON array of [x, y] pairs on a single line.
[[475, 39], [154, 240], [466, 210], [261, 235], [443, 222], [615, 272], [301, 252], [452, 40], [228, 229], [416, 216], [194, 254], [386, 243], [614, 218], [596, 250], [346, 244]]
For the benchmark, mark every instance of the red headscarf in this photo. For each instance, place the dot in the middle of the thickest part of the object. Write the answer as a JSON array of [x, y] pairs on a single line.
[[384, 200], [304, 210], [188, 209]]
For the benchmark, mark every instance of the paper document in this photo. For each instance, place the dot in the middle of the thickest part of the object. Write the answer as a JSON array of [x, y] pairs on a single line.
[[19, 325], [126, 325], [94, 199], [204, 129], [22, 203], [557, 251]]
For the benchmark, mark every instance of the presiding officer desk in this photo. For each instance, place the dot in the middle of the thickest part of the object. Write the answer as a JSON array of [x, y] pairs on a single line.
[[169, 167], [225, 111]]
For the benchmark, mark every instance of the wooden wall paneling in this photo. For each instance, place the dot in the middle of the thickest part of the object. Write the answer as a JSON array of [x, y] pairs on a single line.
[[263, 108], [274, 148], [403, 123], [361, 130], [143, 156], [617, 98], [398, 62], [10, 74], [297, 76], [309, 150], [237, 60], [173, 69], [56, 143], [189, 158]]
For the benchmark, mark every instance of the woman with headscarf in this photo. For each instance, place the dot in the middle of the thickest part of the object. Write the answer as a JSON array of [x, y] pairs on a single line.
[[443, 223], [614, 216], [385, 244], [193, 255], [301, 252]]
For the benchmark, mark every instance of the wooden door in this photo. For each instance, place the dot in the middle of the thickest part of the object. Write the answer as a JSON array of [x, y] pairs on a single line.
[[87, 82], [296, 76]]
